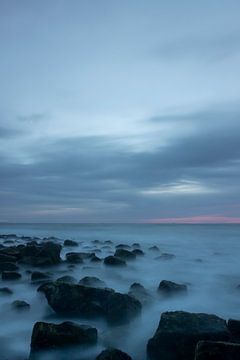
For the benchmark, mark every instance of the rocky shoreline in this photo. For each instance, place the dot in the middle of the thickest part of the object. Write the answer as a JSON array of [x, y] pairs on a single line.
[[180, 335]]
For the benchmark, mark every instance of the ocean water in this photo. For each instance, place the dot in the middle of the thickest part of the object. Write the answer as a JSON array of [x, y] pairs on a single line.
[[206, 259]]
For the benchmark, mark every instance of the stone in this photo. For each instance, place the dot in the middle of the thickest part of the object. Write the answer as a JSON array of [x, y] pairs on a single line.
[[70, 243], [114, 261], [125, 254], [113, 354], [11, 275], [170, 288], [217, 350]]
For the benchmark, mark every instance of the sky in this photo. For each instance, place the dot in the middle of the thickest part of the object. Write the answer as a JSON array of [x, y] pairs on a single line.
[[120, 111]]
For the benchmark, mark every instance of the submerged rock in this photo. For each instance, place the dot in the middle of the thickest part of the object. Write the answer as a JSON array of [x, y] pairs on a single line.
[[123, 246], [170, 288], [87, 301], [125, 254], [179, 332], [70, 243], [92, 281], [38, 275], [138, 252], [234, 328], [166, 256], [20, 305], [45, 254], [136, 245], [5, 291], [113, 354], [114, 261], [154, 248], [95, 258], [8, 266], [217, 350], [48, 335], [74, 258], [140, 293], [10, 275], [67, 279]]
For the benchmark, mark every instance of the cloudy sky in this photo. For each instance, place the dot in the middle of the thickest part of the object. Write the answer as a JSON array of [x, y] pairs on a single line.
[[120, 111]]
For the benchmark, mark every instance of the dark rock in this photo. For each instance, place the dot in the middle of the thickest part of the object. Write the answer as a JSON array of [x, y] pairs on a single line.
[[48, 335], [37, 275], [91, 302], [4, 257], [154, 248], [41, 255], [96, 242], [8, 236], [108, 242], [20, 305], [74, 258], [217, 350], [5, 291], [106, 247], [67, 279], [10, 275], [234, 328], [136, 245], [138, 252], [123, 246], [95, 258], [140, 293], [8, 266], [114, 261], [166, 256], [92, 281], [179, 332], [70, 243], [169, 288], [113, 354], [125, 254]]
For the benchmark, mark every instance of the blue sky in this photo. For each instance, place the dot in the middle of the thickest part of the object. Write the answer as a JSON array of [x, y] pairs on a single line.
[[119, 111]]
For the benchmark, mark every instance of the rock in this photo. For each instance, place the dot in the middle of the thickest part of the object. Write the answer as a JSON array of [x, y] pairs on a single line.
[[113, 354], [140, 293], [166, 256], [95, 259], [5, 291], [169, 288], [70, 243], [45, 254], [234, 328], [74, 258], [114, 261], [67, 279], [91, 302], [92, 281], [108, 242], [96, 242], [38, 275], [154, 248], [123, 246], [4, 257], [125, 254], [20, 305], [10, 275], [48, 335], [136, 245], [8, 266], [138, 252], [217, 350], [179, 332]]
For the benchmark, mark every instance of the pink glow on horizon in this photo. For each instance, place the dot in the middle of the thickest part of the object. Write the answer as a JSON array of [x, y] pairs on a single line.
[[205, 219]]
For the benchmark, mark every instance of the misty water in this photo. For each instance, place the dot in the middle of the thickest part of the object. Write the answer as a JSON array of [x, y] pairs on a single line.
[[206, 259]]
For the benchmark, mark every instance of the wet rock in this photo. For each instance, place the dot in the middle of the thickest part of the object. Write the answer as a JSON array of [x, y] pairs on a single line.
[[179, 332], [234, 328], [90, 302], [217, 350], [11, 275], [114, 261], [20, 305], [48, 335], [4, 257], [154, 248], [166, 256], [8, 236], [96, 242], [108, 242], [136, 245], [138, 252], [95, 258], [92, 281], [70, 243], [74, 258], [5, 291], [140, 293], [8, 266], [170, 288], [67, 279], [123, 246], [125, 254], [113, 354], [38, 275], [41, 255], [106, 247]]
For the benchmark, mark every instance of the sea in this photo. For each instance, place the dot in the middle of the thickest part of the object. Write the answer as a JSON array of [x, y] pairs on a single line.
[[206, 259]]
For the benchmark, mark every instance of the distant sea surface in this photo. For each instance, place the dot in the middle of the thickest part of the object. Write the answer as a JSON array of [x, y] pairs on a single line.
[[206, 259]]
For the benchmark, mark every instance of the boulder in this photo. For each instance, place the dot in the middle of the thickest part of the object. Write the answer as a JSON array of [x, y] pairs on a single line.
[[123, 246], [70, 243], [136, 245], [38, 275], [67, 279], [91, 302], [20, 305], [138, 252], [92, 281], [234, 328], [125, 254], [170, 288], [48, 335], [217, 350], [5, 291], [140, 293], [95, 258], [113, 354], [45, 254], [74, 258], [4, 257], [179, 332], [8, 266], [114, 261], [154, 248], [11, 275]]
